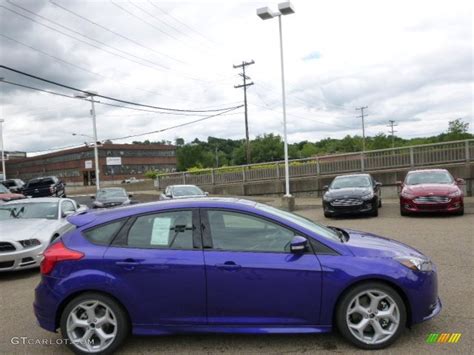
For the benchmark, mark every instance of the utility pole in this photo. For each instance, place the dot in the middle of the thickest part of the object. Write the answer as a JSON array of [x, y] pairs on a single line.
[[4, 173], [244, 85], [391, 124], [362, 116]]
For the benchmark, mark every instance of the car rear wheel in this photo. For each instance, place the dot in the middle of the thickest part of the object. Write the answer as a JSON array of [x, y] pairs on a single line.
[[94, 323], [371, 316]]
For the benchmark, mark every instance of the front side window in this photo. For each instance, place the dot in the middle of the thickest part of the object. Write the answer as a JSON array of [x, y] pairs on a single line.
[[235, 231], [67, 206], [167, 230]]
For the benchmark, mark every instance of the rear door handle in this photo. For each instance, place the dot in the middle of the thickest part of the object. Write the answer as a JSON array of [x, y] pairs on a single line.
[[229, 265]]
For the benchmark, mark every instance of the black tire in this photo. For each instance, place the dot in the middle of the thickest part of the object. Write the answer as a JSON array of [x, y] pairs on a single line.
[[123, 324], [403, 212], [343, 304], [327, 215], [375, 211], [460, 212], [380, 203]]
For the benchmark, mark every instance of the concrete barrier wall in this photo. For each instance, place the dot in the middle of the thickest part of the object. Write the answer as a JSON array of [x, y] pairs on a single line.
[[314, 185]]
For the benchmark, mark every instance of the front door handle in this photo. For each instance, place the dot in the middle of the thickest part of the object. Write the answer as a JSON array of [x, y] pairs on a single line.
[[128, 264], [229, 265]]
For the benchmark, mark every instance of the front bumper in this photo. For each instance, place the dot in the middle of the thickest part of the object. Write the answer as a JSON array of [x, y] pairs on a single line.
[[362, 208], [21, 258], [453, 205]]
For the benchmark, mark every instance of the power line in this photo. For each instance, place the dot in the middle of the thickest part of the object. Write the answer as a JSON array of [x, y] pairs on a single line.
[[176, 126], [99, 102], [105, 28], [82, 41], [244, 85], [107, 97], [180, 22]]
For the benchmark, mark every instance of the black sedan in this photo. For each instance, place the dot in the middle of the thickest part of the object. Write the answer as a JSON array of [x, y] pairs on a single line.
[[352, 194], [111, 197]]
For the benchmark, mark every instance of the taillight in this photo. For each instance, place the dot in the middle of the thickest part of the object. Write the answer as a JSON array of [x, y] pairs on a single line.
[[54, 254]]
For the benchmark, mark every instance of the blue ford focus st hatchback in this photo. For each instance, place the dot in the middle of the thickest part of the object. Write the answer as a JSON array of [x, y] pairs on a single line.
[[227, 265]]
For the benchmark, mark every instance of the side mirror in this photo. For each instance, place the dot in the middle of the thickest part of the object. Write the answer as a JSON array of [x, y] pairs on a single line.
[[168, 195], [68, 213], [326, 187], [460, 181], [298, 244], [399, 183], [378, 184]]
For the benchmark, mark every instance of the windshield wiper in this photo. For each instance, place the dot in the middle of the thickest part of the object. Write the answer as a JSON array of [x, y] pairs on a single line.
[[341, 233]]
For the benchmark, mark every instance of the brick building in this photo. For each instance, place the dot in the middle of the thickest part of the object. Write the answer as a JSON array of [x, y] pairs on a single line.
[[76, 166]]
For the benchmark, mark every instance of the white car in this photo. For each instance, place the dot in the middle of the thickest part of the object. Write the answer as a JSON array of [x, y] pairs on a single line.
[[28, 226]]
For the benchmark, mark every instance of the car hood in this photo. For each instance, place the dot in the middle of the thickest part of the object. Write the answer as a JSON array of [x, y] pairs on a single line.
[[19, 229], [9, 197], [349, 192], [426, 189], [371, 245]]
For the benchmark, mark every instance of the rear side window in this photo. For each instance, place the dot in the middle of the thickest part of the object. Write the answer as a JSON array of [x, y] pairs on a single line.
[[103, 234], [167, 230]]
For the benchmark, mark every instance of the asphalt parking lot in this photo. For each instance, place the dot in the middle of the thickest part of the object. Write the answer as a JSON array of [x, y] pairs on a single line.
[[447, 240]]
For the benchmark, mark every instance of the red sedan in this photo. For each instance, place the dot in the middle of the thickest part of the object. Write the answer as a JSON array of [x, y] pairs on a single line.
[[433, 190]]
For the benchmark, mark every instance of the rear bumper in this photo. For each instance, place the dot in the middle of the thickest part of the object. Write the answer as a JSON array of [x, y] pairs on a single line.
[[46, 305]]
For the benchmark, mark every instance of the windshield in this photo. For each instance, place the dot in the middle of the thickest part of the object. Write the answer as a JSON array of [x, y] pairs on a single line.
[[429, 177], [4, 190], [350, 181], [187, 191], [317, 228], [111, 193], [48, 210], [40, 182]]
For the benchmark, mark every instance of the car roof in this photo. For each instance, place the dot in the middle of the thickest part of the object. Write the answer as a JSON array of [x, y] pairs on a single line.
[[182, 185], [102, 216]]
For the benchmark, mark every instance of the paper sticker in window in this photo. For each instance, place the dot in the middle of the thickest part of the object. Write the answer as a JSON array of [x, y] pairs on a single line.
[[160, 231]]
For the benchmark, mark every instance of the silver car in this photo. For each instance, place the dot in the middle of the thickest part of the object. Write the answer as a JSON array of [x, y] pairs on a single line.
[[28, 226], [182, 191]]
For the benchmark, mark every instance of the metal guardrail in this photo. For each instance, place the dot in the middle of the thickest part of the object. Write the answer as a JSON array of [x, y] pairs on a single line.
[[404, 157]]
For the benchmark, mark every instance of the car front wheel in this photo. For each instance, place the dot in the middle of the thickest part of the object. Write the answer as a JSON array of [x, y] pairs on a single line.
[[371, 316], [94, 323]]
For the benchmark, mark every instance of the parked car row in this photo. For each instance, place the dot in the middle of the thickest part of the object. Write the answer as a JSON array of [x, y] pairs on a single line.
[[47, 186], [422, 191]]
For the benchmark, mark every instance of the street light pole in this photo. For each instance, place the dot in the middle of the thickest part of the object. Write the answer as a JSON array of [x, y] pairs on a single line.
[[283, 99], [285, 8], [4, 172]]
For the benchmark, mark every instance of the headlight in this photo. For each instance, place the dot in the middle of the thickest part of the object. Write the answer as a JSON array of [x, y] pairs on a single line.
[[407, 195], [98, 204], [455, 193], [326, 197], [416, 263], [369, 196], [29, 243]]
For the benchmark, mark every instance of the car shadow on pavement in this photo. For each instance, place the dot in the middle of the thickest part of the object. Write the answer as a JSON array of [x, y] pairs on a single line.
[[18, 275]]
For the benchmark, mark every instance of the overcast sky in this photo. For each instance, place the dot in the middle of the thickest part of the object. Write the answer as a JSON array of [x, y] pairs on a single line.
[[408, 61]]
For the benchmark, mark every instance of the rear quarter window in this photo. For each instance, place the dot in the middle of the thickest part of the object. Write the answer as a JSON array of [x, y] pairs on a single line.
[[103, 234]]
